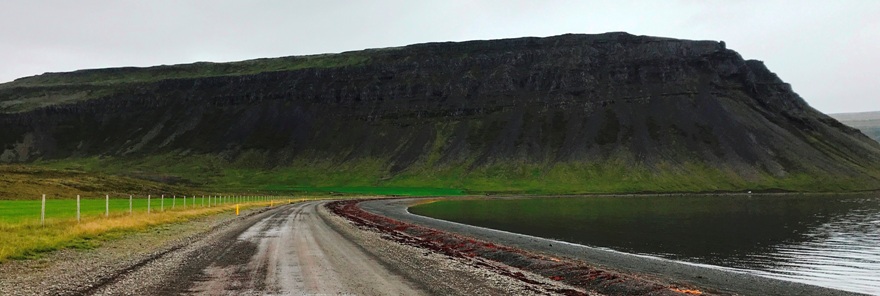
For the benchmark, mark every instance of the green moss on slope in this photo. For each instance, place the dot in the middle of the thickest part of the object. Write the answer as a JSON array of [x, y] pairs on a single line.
[[371, 176]]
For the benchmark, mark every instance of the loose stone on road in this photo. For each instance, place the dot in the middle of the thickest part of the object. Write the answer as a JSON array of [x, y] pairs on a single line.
[[295, 249], [296, 252]]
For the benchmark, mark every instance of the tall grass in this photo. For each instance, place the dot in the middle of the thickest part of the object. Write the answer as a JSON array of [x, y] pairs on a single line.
[[28, 239]]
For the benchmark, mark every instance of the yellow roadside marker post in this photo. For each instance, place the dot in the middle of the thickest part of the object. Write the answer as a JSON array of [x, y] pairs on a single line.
[[236, 209]]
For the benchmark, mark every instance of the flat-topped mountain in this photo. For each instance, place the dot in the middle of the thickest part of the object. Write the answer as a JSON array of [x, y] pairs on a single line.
[[573, 113]]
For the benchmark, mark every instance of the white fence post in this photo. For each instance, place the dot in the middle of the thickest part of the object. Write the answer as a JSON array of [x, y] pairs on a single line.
[[173, 201], [107, 205], [163, 203], [77, 209], [184, 201], [148, 203], [129, 205], [43, 212]]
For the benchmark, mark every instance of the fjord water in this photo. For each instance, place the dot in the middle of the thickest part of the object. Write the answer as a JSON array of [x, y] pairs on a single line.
[[831, 241]]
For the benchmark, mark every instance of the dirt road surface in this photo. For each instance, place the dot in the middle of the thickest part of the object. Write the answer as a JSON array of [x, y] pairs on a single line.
[[296, 252], [294, 249]]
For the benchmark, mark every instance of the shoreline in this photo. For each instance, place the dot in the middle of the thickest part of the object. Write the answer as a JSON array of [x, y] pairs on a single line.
[[708, 277], [638, 194]]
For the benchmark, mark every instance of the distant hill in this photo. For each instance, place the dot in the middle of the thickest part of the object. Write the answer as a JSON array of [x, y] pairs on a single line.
[[609, 112], [867, 122]]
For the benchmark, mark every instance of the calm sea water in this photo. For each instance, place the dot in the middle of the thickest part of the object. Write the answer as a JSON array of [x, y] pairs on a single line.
[[831, 241]]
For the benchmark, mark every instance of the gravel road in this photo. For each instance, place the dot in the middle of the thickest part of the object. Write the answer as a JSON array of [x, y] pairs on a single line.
[[294, 251], [297, 249]]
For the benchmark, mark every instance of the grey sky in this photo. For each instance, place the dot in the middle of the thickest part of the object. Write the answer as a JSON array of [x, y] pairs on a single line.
[[828, 50]]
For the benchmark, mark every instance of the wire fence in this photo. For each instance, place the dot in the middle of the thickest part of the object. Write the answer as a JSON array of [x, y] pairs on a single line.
[[111, 206]]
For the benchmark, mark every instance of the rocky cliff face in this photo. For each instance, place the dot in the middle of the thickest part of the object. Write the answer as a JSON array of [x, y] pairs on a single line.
[[657, 103]]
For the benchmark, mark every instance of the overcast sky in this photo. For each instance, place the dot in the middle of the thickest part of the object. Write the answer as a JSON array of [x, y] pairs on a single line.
[[828, 50]]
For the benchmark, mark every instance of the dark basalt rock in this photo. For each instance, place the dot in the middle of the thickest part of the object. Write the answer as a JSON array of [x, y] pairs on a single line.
[[569, 98]]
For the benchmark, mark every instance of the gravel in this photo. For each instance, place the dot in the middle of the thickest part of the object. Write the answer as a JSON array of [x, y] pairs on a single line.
[[176, 258], [116, 262], [440, 274]]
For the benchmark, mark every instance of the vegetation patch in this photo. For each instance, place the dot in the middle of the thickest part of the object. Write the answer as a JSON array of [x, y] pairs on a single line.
[[371, 176], [25, 238]]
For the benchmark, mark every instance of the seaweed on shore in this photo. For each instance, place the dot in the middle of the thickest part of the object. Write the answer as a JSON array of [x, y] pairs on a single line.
[[575, 273]]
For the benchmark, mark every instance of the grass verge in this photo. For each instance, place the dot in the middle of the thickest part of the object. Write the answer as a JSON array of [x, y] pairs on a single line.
[[27, 239], [372, 176]]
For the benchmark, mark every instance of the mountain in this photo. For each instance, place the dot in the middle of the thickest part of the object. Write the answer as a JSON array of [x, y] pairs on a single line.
[[867, 122], [610, 112]]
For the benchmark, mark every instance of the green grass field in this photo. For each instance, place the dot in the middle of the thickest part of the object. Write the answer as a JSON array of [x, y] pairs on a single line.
[[370, 177], [28, 211], [365, 190]]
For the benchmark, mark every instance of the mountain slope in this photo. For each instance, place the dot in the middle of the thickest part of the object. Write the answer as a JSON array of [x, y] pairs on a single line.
[[572, 113]]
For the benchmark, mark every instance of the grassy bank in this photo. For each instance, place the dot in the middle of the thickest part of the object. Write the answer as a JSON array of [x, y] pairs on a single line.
[[23, 237], [32, 181], [372, 176], [28, 211]]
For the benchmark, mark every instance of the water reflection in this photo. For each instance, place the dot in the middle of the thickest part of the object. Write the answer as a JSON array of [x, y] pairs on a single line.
[[832, 241]]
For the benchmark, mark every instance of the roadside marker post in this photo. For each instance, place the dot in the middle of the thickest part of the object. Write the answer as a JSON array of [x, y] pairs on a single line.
[[236, 209], [107, 205], [43, 212], [148, 203], [184, 201], [173, 201], [77, 209], [129, 205], [163, 203]]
